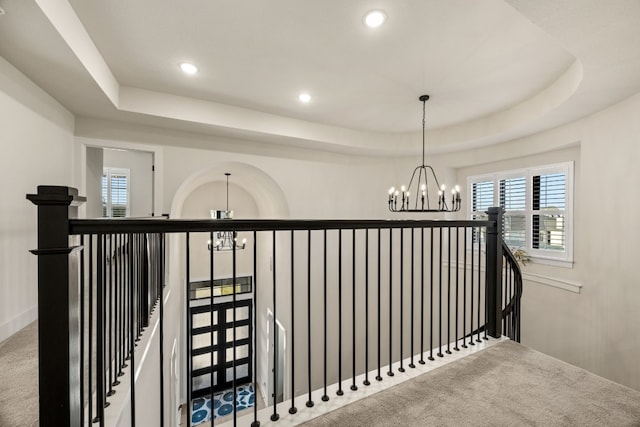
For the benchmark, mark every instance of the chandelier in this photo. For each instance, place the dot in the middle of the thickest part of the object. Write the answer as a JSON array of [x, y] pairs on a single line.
[[225, 240], [422, 179]]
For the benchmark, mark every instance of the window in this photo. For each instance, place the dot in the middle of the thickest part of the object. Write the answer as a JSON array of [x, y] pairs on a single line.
[[115, 192], [537, 208]]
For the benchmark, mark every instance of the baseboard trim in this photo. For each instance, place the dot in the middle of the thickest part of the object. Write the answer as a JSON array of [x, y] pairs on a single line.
[[9, 328]]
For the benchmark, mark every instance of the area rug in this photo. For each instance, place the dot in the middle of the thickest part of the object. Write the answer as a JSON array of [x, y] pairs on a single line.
[[222, 404]]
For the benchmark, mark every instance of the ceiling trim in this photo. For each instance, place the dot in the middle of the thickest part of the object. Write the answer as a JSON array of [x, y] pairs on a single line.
[[68, 25]]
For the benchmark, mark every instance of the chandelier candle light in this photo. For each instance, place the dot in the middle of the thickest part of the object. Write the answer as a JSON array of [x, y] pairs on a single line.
[[227, 240], [399, 200]]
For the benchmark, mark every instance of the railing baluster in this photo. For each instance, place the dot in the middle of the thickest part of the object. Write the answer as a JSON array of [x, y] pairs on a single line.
[[411, 365], [325, 396], [100, 386], [354, 387], [132, 337], [275, 416], [121, 304], [309, 401], [457, 283], [464, 291], [430, 296], [161, 337], [439, 292], [474, 233], [255, 422], [478, 340], [339, 392], [401, 368], [188, 337], [390, 372], [212, 331], [422, 361], [82, 320], [448, 290], [90, 348], [234, 257], [109, 258], [127, 299], [116, 310], [293, 408], [379, 377], [366, 308]]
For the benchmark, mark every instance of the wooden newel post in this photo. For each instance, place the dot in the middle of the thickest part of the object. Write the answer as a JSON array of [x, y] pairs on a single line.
[[58, 307], [494, 273]]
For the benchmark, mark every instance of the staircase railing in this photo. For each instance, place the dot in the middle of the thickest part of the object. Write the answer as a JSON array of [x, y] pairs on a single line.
[[357, 298], [512, 290]]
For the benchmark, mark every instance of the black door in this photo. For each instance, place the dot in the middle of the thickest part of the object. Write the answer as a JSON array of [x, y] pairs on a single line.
[[213, 346]]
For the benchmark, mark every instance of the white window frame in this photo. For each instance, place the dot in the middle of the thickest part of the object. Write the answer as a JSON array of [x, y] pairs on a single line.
[[542, 256], [109, 171]]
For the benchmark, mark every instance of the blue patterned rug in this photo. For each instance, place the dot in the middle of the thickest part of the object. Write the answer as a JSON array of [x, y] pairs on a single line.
[[222, 404]]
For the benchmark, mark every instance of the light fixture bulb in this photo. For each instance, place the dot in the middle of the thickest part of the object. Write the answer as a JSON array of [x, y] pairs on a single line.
[[244, 241], [396, 193], [453, 191], [457, 188], [403, 188], [188, 68], [423, 187], [391, 190], [374, 18], [443, 187], [304, 98]]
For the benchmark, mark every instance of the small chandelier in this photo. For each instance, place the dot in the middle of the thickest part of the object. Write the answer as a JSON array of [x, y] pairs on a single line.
[[399, 200], [225, 240]]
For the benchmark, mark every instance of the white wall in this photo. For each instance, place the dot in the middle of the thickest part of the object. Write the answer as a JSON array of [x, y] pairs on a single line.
[[93, 193], [599, 328], [37, 142], [139, 164]]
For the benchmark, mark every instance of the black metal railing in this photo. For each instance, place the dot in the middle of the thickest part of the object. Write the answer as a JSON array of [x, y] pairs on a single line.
[[357, 297], [512, 291]]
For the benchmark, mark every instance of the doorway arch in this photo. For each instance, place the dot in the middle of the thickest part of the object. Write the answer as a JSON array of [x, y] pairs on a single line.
[[268, 195], [271, 203]]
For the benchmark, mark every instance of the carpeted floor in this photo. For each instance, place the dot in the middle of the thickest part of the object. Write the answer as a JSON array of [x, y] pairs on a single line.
[[19, 378], [505, 385]]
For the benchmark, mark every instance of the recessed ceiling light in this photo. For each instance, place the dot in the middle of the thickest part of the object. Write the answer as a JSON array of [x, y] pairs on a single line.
[[374, 18], [188, 68], [304, 97]]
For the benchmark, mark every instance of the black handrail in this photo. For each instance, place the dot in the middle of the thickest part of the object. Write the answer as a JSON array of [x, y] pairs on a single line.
[[125, 225]]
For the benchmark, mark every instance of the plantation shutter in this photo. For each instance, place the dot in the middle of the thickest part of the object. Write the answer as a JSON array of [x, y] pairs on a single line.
[[115, 193], [513, 201], [549, 193], [119, 195], [482, 200]]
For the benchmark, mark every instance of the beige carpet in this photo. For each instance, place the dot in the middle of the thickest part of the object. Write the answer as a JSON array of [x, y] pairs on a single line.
[[19, 378], [505, 385]]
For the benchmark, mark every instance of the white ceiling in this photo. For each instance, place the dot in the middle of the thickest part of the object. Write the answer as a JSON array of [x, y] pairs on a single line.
[[494, 69]]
